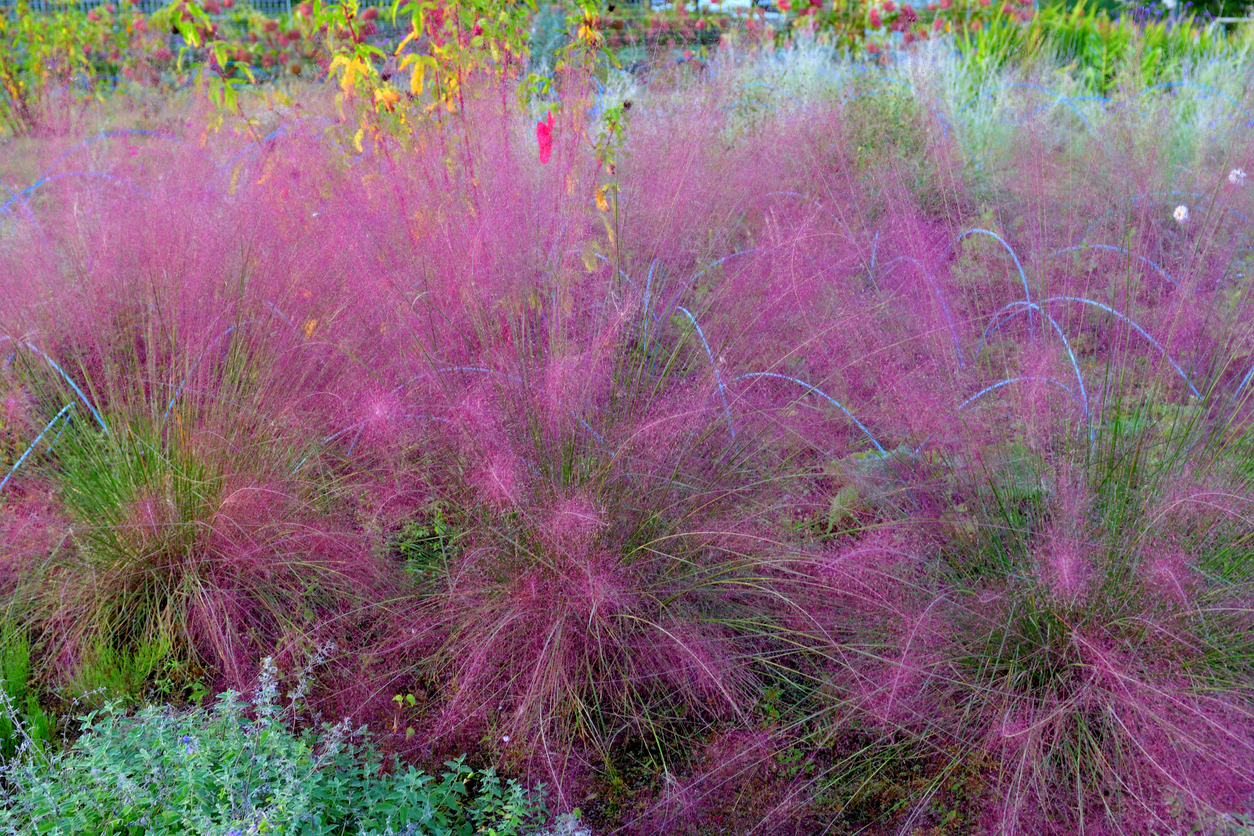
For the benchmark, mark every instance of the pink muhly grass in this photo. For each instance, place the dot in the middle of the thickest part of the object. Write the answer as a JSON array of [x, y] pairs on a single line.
[[734, 783], [580, 617], [900, 437], [186, 523], [1073, 668]]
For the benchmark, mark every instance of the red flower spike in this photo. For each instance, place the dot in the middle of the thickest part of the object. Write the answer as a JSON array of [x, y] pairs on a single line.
[[544, 137]]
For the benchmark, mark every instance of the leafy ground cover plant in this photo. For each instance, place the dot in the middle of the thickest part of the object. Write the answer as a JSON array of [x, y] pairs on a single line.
[[239, 767]]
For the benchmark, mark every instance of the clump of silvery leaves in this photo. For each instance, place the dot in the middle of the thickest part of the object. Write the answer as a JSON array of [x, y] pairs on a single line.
[[241, 767]]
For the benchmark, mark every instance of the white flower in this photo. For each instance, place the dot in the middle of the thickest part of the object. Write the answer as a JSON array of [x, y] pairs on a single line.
[[1181, 214], [505, 738], [1171, 4], [1236, 177]]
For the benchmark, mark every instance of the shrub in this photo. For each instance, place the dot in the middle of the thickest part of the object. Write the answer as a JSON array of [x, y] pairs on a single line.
[[240, 767]]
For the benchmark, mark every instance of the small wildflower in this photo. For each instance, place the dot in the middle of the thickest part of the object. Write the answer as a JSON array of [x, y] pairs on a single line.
[[505, 738], [267, 683], [544, 137], [1181, 214], [189, 744], [1236, 177]]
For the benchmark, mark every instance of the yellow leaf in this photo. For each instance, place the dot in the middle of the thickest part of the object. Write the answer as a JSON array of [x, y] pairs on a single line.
[[346, 80], [266, 171], [416, 78], [357, 138], [352, 68], [602, 203], [413, 33], [386, 97], [310, 327]]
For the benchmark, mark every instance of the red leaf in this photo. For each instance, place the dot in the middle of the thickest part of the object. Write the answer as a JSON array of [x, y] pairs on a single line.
[[544, 137]]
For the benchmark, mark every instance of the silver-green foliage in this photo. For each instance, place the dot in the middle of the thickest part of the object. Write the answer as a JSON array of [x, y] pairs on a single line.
[[239, 768]]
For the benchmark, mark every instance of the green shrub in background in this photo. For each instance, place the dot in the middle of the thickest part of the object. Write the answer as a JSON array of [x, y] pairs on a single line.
[[1102, 53], [239, 768]]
